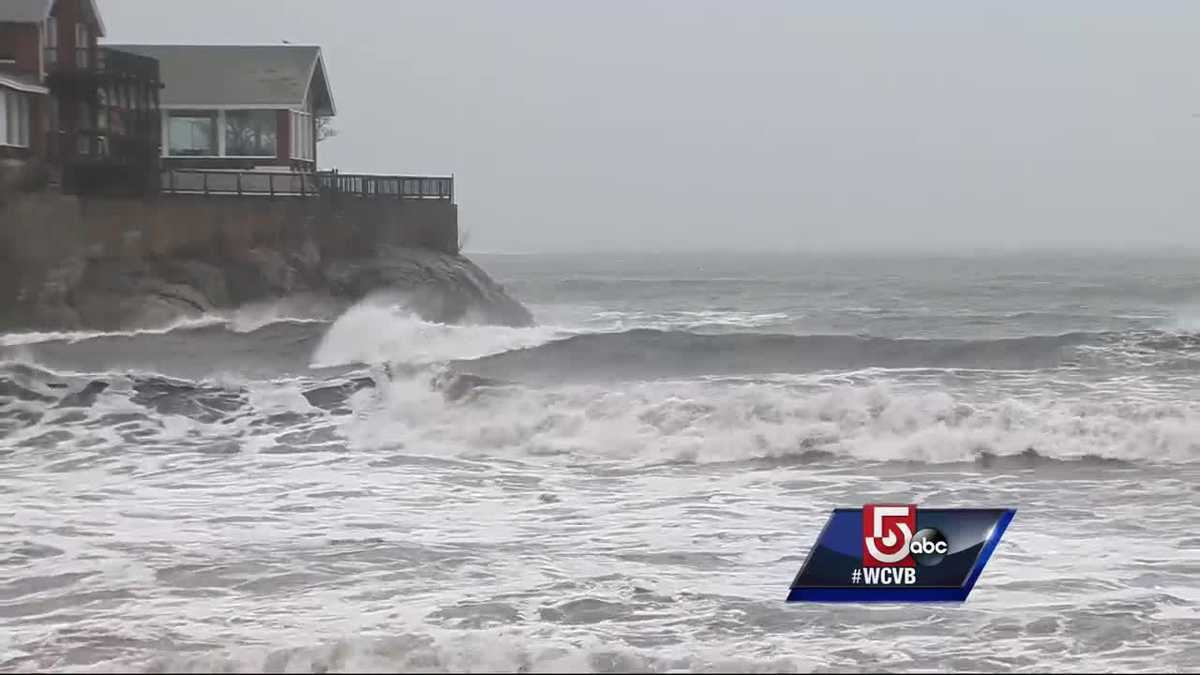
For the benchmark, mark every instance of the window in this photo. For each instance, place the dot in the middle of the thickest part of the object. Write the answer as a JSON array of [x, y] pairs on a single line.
[[307, 135], [302, 143], [83, 45], [250, 133], [51, 41], [26, 105], [192, 134], [14, 118]]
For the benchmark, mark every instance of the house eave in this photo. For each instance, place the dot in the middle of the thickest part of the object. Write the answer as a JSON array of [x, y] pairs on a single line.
[[319, 62], [100, 31]]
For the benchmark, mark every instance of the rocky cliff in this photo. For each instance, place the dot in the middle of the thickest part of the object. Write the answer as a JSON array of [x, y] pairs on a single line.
[[71, 264]]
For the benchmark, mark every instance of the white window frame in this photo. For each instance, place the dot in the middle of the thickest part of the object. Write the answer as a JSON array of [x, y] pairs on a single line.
[[23, 103], [26, 117], [83, 40], [221, 123], [49, 42], [166, 132], [302, 136], [166, 111]]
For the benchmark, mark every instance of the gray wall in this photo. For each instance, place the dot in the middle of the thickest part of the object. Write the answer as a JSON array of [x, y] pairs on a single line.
[[71, 262], [47, 226]]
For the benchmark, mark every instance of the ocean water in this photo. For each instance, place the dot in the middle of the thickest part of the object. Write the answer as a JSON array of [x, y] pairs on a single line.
[[632, 484]]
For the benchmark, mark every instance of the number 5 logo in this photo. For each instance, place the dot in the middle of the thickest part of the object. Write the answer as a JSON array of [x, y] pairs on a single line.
[[887, 531]]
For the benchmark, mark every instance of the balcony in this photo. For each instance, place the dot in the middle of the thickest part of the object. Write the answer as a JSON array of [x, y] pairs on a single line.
[[100, 147], [328, 184], [101, 62]]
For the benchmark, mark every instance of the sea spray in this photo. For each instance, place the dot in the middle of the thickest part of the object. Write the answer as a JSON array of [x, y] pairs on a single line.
[[380, 330]]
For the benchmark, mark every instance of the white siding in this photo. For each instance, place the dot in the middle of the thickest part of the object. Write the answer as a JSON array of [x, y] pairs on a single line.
[[302, 144]]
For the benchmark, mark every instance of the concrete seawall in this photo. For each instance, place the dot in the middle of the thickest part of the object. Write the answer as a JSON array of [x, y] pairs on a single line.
[[69, 262], [45, 226]]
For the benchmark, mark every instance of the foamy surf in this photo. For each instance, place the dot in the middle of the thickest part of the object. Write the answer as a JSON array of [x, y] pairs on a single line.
[[570, 497], [702, 422]]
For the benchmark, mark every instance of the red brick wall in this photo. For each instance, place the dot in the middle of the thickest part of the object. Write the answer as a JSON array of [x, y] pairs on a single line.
[[68, 13], [21, 41], [37, 125]]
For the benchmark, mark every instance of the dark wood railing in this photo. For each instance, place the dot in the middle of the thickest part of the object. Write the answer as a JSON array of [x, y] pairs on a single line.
[[325, 183], [103, 61], [241, 183], [99, 145], [400, 187]]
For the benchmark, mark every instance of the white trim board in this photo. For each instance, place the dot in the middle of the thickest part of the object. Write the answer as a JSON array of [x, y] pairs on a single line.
[[320, 61], [24, 87]]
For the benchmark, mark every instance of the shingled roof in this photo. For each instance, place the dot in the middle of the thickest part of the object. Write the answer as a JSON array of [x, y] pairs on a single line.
[[36, 11], [272, 76]]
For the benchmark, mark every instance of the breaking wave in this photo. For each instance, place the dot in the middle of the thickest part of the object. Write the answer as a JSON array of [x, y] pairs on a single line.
[[437, 412], [378, 377], [706, 422], [643, 353], [373, 332]]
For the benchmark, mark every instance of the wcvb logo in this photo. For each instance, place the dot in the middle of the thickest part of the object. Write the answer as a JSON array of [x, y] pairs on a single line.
[[887, 534]]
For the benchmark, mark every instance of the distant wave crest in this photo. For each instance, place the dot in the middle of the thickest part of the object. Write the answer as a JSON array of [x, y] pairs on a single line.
[[644, 353]]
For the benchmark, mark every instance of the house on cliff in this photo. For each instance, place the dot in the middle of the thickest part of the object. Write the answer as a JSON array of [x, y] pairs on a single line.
[[240, 107], [141, 119], [89, 113], [108, 118]]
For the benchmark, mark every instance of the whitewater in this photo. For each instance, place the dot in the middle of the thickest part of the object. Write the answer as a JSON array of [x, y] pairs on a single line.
[[631, 484]]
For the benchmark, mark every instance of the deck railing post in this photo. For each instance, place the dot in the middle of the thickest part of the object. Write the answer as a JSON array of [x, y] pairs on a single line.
[[205, 183], [271, 184], [239, 183]]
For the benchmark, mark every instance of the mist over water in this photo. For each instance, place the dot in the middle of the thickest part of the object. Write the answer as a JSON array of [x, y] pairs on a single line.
[[631, 484]]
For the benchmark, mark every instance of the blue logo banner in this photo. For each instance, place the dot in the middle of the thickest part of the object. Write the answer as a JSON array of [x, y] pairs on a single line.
[[899, 553]]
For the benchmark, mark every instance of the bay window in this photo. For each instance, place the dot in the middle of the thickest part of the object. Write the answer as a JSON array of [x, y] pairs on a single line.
[[216, 133]]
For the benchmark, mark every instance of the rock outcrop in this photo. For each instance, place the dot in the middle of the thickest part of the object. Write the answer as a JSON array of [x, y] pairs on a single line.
[[113, 294], [70, 264]]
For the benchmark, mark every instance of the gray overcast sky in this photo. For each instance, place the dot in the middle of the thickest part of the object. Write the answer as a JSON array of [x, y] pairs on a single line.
[[756, 125]]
